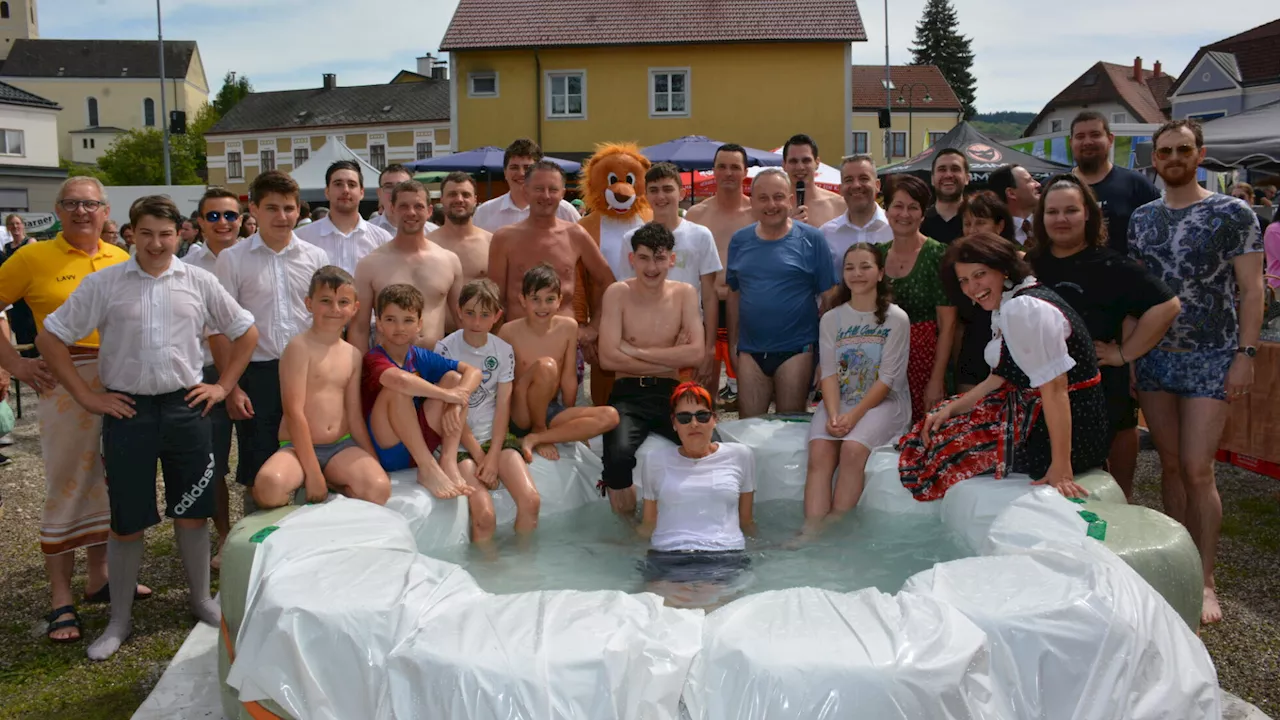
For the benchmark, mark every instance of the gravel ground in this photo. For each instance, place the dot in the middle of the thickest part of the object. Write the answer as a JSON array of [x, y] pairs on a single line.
[[41, 680]]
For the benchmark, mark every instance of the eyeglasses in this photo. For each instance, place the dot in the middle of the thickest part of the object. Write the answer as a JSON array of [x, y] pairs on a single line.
[[702, 416], [1164, 153], [214, 216], [73, 205]]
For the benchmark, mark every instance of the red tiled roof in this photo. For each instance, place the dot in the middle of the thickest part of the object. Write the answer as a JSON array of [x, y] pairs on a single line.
[[868, 87], [1135, 95], [493, 24], [1106, 82], [1257, 54]]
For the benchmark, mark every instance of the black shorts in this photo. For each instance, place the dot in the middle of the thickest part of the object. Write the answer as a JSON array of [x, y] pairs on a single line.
[[644, 406], [181, 440], [258, 438], [724, 316], [221, 429], [720, 567], [1122, 407]]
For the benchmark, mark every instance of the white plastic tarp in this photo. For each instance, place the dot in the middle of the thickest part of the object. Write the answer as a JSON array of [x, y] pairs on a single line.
[[781, 453], [812, 654], [546, 656], [883, 490]]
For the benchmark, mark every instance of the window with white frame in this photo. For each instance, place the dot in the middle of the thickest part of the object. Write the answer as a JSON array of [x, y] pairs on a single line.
[[11, 142], [1055, 126], [860, 143], [378, 156], [424, 151], [301, 155], [898, 144], [566, 94], [266, 160], [482, 84], [934, 137], [235, 169], [1118, 118], [669, 92]]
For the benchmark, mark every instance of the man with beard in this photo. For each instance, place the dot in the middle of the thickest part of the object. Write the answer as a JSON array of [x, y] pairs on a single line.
[[1021, 193], [943, 222], [724, 213], [459, 234], [800, 159], [343, 234], [1206, 247], [1119, 190], [863, 220], [391, 176], [513, 206]]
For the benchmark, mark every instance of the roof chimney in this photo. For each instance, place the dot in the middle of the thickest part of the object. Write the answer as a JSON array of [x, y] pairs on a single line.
[[330, 81], [1156, 69], [440, 70], [1137, 68], [425, 63]]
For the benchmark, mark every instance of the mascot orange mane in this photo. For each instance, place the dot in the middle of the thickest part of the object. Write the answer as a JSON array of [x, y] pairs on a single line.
[[612, 188]]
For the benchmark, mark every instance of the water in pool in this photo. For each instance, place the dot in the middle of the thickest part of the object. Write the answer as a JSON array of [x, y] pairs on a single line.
[[590, 549]]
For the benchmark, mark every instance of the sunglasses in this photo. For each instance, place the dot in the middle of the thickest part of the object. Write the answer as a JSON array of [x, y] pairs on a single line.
[[702, 416], [214, 216], [1165, 153]]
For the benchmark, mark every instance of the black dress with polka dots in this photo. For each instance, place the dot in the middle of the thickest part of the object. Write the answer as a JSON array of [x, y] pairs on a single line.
[[1090, 427]]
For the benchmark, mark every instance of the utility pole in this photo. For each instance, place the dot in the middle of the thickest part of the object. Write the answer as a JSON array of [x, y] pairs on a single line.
[[164, 106], [888, 83]]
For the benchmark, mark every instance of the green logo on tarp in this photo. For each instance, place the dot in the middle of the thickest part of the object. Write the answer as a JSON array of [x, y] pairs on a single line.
[[1097, 526], [262, 534]]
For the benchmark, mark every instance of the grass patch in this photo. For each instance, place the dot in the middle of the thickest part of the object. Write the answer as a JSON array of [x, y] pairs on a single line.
[[1255, 521]]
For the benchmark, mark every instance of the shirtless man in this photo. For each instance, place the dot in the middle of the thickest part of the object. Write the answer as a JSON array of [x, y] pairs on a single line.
[[410, 258], [459, 235], [725, 213], [651, 329], [820, 206]]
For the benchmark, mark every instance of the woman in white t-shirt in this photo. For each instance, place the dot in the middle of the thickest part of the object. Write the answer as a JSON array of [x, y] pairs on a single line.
[[863, 345], [697, 507]]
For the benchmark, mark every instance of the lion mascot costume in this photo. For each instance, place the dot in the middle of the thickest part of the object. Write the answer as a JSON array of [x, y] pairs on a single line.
[[612, 189]]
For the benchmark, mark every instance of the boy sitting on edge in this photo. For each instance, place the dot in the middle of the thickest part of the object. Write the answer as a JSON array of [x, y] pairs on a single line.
[[427, 403], [546, 347], [490, 453], [323, 440]]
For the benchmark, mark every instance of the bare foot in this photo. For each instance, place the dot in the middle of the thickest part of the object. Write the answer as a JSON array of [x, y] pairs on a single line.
[[547, 451], [1211, 611], [450, 468], [438, 483], [526, 448]]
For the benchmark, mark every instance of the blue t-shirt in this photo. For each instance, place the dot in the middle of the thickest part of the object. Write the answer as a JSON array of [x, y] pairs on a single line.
[[1120, 193], [778, 283], [1191, 250]]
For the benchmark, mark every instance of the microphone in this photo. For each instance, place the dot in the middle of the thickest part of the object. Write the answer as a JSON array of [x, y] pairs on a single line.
[[799, 193]]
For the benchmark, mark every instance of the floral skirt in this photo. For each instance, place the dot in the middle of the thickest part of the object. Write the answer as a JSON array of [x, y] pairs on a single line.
[[924, 346]]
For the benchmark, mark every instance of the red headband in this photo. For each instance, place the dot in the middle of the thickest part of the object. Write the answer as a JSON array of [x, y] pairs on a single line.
[[694, 389]]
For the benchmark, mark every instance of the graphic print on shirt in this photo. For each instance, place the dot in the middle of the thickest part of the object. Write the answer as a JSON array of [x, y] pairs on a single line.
[[858, 349]]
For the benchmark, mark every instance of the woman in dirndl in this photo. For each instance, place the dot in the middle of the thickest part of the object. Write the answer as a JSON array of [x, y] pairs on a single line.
[[1041, 411]]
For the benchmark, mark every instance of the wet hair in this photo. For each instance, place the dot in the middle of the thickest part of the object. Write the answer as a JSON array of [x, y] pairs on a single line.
[[457, 177], [984, 248], [884, 291], [393, 168], [950, 151], [799, 139], [1189, 123], [273, 181], [988, 205], [332, 277], [655, 236], [914, 187], [522, 147], [1092, 116], [540, 277], [484, 291], [1095, 228], [403, 296], [1002, 180], [216, 193], [156, 206], [662, 171], [344, 165], [407, 186], [731, 147], [691, 391], [544, 165]]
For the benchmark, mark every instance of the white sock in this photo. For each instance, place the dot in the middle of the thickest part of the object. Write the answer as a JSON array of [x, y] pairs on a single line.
[[193, 546], [124, 562]]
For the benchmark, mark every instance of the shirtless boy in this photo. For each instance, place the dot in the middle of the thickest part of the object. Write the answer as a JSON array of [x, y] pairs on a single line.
[[459, 235], [410, 259], [651, 329], [323, 440], [725, 213], [800, 159], [545, 341], [425, 406]]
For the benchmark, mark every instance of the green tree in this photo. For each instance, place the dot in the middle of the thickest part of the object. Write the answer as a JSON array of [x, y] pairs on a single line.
[[193, 143], [234, 89], [137, 158], [78, 170], [939, 42]]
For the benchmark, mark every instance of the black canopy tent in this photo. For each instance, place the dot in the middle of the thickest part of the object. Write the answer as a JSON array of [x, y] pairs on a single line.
[[1249, 140], [984, 154]]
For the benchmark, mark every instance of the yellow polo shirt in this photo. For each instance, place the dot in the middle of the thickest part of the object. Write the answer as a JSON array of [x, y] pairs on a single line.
[[46, 273]]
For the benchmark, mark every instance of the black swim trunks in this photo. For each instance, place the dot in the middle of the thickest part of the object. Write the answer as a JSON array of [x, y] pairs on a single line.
[[690, 566], [769, 362]]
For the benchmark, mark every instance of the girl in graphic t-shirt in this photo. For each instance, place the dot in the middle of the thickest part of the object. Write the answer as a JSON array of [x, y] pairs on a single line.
[[863, 344]]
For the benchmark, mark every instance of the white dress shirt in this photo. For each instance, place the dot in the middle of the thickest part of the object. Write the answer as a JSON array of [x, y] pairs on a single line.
[[345, 250], [500, 212], [381, 222], [842, 234], [200, 257], [273, 286], [151, 327], [1023, 229]]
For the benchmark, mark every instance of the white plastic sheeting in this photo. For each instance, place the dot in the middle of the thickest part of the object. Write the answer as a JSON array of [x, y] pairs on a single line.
[[883, 491], [651, 445], [819, 655], [781, 453]]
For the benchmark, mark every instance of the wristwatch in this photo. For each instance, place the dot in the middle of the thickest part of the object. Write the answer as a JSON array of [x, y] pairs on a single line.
[[1247, 350]]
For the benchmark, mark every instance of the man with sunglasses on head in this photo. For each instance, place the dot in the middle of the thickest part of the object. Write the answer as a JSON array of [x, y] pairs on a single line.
[[512, 207], [391, 176], [1207, 247], [1119, 190], [342, 233]]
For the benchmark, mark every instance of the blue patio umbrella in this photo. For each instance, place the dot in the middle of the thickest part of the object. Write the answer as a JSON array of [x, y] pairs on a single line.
[[697, 152], [483, 161]]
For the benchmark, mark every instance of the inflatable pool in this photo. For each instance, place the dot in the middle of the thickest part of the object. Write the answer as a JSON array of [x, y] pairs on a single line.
[[1054, 610]]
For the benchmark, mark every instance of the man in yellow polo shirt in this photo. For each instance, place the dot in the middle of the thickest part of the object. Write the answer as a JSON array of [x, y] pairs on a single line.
[[75, 511]]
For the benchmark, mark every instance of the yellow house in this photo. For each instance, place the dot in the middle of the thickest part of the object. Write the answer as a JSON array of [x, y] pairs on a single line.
[[106, 87], [752, 72], [382, 124], [924, 109]]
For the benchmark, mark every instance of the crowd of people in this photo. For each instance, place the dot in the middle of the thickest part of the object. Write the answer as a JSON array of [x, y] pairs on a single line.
[[1016, 329]]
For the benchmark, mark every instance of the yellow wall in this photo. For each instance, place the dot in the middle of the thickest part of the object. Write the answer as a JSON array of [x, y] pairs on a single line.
[[805, 81], [919, 126]]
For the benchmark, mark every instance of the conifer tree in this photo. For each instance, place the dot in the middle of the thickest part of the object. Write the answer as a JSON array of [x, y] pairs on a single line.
[[939, 42]]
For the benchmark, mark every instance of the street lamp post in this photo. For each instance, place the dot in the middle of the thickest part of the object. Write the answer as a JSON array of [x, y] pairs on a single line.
[[907, 95], [164, 108]]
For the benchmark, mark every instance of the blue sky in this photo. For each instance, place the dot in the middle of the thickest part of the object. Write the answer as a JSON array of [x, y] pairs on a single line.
[[1025, 52]]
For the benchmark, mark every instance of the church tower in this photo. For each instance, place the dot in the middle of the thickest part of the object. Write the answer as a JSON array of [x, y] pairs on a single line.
[[17, 22]]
